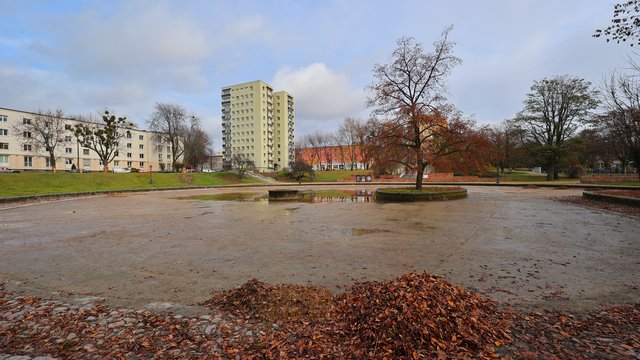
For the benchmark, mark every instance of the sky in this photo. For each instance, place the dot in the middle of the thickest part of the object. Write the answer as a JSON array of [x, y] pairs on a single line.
[[126, 56]]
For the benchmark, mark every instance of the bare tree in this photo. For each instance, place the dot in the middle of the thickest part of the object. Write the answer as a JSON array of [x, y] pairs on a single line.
[[104, 137], [45, 133], [197, 144], [350, 134], [624, 24], [554, 109], [505, 138], [242, 164], [621, 95], [409, 93], [169, 122]]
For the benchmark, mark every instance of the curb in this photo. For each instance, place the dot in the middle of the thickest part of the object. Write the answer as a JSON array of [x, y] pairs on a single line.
[[4, 200], [625, 200]]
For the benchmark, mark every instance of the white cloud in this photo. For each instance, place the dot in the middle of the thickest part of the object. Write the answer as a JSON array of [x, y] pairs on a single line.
[[320, 93], [153, 45]]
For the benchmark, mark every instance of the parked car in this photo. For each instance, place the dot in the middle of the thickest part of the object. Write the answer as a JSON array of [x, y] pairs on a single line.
[[7, 170], [121, 170]]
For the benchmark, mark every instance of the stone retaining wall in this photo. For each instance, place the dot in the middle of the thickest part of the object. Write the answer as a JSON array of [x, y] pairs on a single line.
[[601, 178]]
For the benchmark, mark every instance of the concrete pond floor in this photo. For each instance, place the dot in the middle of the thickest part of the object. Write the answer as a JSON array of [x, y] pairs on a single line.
[[152, 250]]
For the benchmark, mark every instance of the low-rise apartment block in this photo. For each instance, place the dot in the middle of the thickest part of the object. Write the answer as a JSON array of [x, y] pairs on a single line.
[[138, 149]]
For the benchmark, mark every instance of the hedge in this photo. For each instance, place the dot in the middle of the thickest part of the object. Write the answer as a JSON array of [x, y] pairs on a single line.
[[426, 194]]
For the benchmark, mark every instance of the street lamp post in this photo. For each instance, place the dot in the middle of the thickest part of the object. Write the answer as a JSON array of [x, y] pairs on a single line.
[[150, 174]]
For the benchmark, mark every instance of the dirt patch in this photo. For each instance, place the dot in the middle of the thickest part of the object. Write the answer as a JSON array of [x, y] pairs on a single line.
[[362, 231], [186, 179]]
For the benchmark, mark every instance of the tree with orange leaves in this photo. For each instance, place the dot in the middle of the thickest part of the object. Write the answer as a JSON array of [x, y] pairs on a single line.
[[418, 127]]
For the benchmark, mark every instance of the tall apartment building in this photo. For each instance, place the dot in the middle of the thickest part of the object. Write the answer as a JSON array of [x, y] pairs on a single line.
[[258, 124], [138, 149]]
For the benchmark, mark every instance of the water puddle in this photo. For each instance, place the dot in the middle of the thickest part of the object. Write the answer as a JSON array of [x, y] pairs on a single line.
[[306, 196]]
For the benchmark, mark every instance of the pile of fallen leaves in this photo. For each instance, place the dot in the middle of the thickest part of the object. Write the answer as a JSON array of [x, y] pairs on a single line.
[[414, 316], [286, 302], [421, 315]]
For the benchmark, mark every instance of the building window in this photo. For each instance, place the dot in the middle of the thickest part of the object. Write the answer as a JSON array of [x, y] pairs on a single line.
[[28, 161], [116, 153], [85, 151], [141, 164], [128, 134], [101, 163], [4, 132], [168, 148], [168, 156], [4, 159], [86, 163], [4, 146], [67, 127], [129, 145], [141, 146], [47, 162], [116, 163], [3, 118], [26, 121], [141, 156], [26, 134], [128, 155], [67, 138], [26, 147], [129, 163], [68, 161], [68, 150]]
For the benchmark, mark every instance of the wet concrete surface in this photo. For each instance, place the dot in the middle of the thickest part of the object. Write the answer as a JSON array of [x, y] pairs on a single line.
[[516, 245]]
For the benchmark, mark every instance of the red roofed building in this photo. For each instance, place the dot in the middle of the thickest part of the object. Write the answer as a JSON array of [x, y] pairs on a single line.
[[340, 157]]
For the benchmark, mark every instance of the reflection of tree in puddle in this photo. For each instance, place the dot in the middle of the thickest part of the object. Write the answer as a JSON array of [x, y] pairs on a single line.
[[322, 196]]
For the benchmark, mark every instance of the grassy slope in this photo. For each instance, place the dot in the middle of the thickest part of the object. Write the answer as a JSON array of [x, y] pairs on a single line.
[[47, 183]]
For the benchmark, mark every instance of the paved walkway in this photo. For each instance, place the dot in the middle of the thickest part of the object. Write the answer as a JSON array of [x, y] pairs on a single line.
[[514, 244]]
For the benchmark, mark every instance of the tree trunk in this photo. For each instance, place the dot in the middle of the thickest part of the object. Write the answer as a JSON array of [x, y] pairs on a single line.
[[52, 161], [419, 177], [105, 169], [184, 169], [550, 171]]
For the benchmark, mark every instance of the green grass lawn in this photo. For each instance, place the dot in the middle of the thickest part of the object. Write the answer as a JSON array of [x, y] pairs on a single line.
[[47, 183]]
